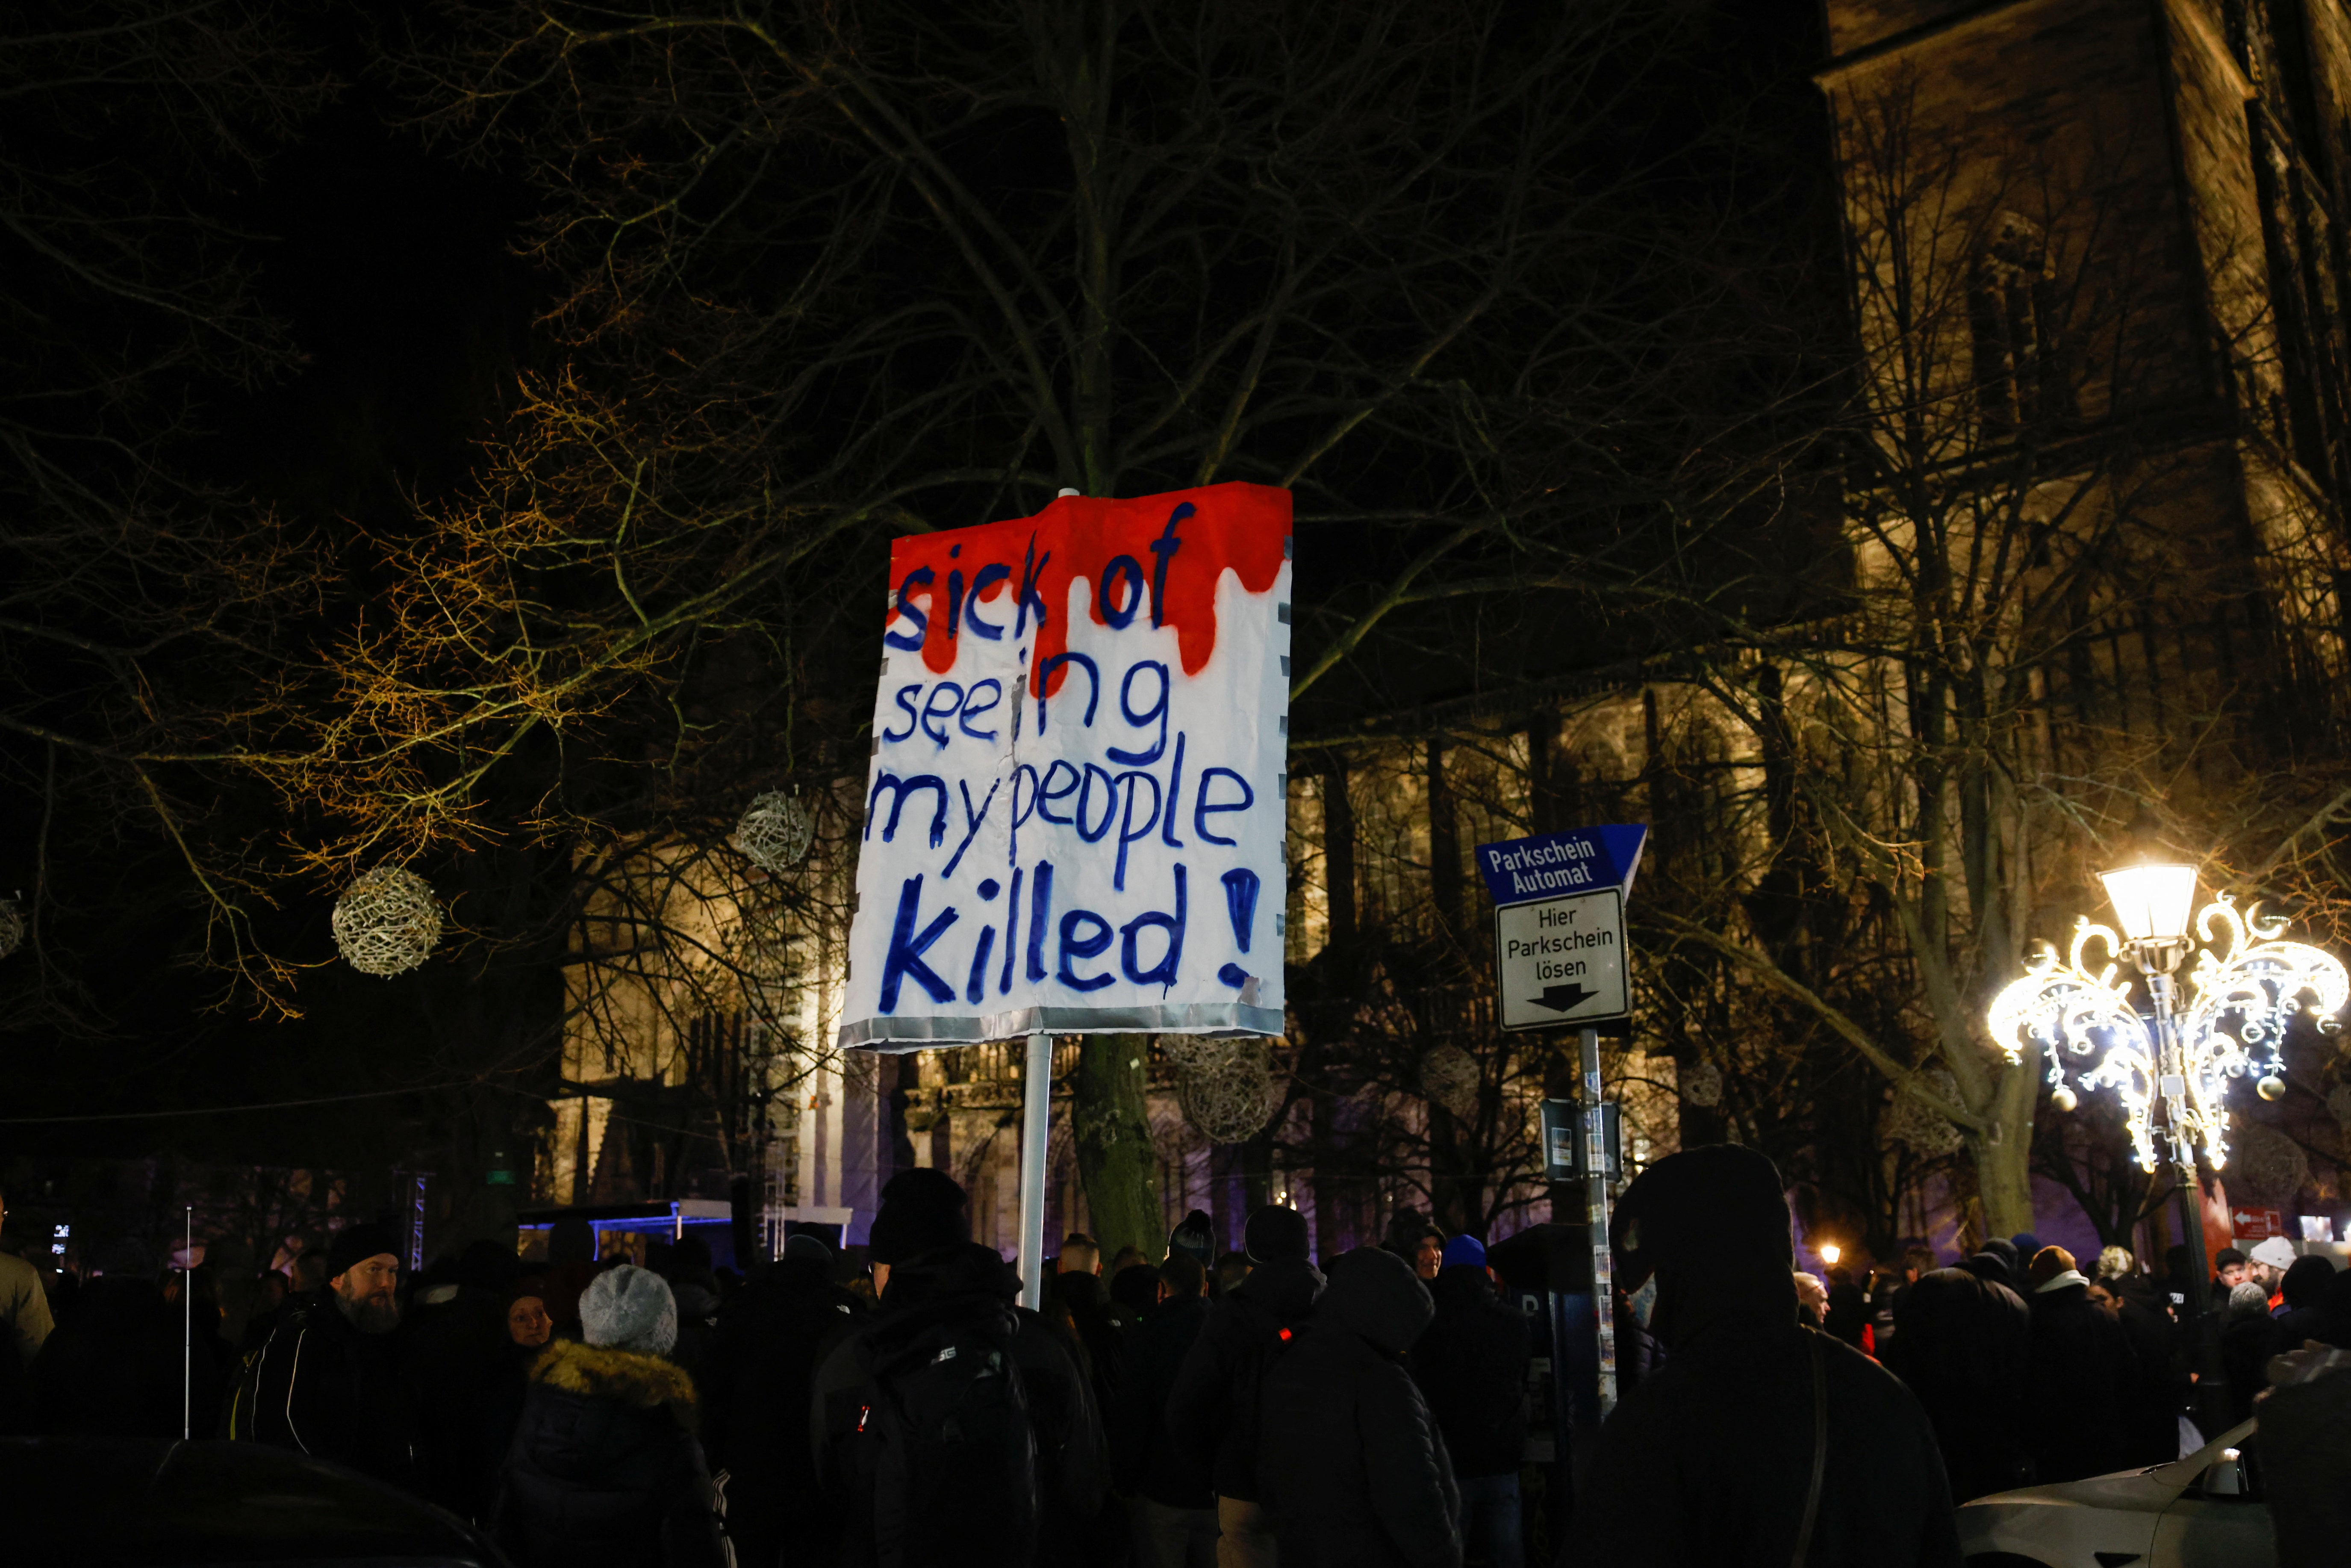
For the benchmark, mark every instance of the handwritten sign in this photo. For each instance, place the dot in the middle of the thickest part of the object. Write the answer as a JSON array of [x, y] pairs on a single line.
[[1075, 814]]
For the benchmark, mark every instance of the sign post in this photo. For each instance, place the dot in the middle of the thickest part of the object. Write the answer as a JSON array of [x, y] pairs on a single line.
[[1560, 959], [1075, 814]]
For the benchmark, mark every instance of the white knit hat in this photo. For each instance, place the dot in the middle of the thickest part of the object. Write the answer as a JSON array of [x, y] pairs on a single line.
[[629, 1308], [2276, 1251]]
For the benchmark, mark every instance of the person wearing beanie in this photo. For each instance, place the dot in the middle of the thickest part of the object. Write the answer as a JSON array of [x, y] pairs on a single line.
[[1351, 1467], [605, 1470], [1212, 1413], [2228, 1273], [1471, 1366], [922, 1211], [2248, 1337], [2266, 1265], [1196, 1237], [1274, 1233], [2082, 1377], [330, 1381], [1010, 1472], [757, 1386], [1712, 1455]]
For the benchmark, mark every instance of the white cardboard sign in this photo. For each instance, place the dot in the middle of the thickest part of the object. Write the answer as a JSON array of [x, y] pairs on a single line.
[[1075, 814]]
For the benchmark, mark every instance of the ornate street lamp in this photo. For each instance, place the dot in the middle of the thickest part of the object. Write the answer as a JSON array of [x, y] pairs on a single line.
[[2170, 1066]]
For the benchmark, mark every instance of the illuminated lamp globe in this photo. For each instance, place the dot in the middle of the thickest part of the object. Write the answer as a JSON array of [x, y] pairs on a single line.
[[2272, 1087], [2062, 1100], [2152, 902], [1831, 1252]]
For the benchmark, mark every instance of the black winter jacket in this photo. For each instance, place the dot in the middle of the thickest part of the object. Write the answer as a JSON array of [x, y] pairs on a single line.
[[2164, 1385], [1963, 1343], [1073, 1460], [1145, 1460], [1471, 1366], [2083, 1376], [1351, 1465], [452, 1360], [323, 1388], [605, 1471], [757, 1385], [1212, 1413], [1707, 1463], [113, 1368]]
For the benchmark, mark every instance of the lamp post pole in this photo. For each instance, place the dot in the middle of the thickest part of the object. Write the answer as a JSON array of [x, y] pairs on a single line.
[[2155, 962]]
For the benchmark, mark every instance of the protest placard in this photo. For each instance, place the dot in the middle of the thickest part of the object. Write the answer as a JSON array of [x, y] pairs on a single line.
[[1075, 814]]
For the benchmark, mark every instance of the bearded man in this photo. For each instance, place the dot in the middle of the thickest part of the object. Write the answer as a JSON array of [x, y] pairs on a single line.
[[327, 1382]]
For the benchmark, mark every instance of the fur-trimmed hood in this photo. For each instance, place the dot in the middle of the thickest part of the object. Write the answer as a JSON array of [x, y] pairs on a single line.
[[624, 1377]]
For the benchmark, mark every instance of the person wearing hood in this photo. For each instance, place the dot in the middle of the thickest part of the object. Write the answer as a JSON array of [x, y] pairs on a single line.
[[756, 1391], [1471, 1366], [328, 1382], [524, 1332], [2304, 1290], [1214, 1410], [1015, 1473], [1352, 1468], [1996, 1262], [1963, 1346], [571, 1263], [1756, 1440], [454, 1358], [2083, 1375], [695, 1285], [605, 1468], [1175, 1524]]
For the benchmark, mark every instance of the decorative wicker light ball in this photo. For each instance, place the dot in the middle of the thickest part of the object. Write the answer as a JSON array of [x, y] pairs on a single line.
[[2270, 1165], [1701, 1084], [387, 921], [1227, 1086], [1449, 1076], [12, 926], [1919, 1126], [774, 834], [2338, 1100]]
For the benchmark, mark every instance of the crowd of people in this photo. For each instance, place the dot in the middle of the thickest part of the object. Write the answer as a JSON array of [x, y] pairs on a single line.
[[902, 1409]]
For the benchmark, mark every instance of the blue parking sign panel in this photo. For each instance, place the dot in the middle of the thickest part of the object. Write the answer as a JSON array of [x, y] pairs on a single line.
[[1581, 860]]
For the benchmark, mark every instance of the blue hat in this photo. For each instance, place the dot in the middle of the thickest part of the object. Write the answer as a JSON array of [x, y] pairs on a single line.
[[1465, 1249]]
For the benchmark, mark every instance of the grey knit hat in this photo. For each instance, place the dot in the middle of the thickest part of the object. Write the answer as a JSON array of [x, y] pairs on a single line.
[[629, 1308]]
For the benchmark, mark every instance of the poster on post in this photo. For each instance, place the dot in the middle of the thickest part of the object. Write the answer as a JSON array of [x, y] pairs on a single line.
[[1074, 817]]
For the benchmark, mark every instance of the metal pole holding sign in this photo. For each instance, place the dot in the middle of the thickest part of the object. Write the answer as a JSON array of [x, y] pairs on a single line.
[[1596, 1161], [188, 1327], [1036, 1124]]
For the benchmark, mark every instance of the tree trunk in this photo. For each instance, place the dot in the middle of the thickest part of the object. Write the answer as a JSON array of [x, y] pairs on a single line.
[[1116, 1163], [1444, 846], [2004, 1168]]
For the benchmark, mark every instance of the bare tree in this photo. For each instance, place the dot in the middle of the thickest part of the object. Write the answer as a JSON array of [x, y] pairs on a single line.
[[145, 611]]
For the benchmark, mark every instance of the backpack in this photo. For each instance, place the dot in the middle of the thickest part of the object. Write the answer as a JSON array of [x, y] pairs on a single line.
[[954, 1451]]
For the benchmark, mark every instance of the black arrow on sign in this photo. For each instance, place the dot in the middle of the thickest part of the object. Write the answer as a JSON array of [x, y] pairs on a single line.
[[1562, 999]]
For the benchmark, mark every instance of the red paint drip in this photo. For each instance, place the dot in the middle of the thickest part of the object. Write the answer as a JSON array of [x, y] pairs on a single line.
[[1241, 527]]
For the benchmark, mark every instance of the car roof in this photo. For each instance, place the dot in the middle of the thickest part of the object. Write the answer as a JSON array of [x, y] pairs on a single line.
[[148, 1501]]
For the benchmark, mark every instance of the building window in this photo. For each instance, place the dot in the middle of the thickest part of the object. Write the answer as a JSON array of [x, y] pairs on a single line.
[[2012, 312]]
